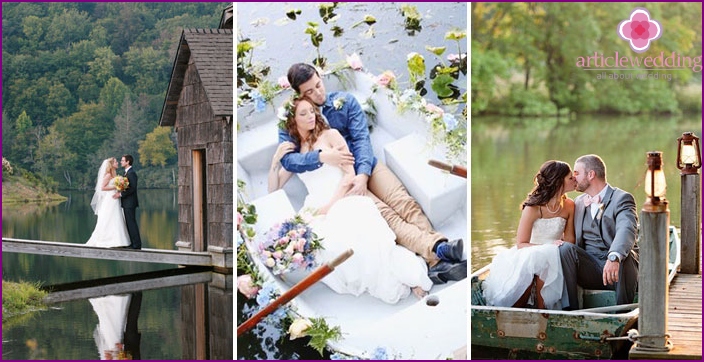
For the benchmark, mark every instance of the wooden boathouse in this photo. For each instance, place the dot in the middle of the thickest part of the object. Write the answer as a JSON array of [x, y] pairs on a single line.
[[199, 105]]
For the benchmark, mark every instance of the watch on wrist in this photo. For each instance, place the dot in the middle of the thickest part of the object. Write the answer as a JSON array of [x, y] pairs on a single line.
[[614, 257]]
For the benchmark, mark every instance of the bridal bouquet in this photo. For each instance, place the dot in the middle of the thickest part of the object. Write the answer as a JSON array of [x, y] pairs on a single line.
[[289, 246], [121, 183]]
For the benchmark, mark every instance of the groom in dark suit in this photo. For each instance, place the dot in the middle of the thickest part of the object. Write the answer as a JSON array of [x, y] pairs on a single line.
[[604, 255], [130, 202]]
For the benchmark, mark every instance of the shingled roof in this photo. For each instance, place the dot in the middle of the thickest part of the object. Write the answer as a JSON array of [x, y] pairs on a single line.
[[211, 50]]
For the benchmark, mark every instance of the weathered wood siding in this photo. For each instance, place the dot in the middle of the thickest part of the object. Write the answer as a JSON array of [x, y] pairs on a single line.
[[199, 129]]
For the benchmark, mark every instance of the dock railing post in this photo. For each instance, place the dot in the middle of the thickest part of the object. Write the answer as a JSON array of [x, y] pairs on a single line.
[[689, 162], [654, 256]]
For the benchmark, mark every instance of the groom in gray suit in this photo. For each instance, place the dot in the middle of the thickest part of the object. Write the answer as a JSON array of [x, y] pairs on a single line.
[[603, 256]]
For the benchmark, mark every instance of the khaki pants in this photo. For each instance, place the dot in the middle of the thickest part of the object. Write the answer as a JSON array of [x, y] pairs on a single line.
[[403, 214]]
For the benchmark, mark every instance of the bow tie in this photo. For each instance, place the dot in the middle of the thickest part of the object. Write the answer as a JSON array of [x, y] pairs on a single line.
[[588, 200]]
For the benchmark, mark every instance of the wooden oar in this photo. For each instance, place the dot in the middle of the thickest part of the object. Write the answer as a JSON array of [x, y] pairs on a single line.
[[297, 289], [460, 171]]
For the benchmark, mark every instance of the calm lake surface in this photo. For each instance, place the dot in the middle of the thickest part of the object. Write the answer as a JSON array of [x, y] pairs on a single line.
[[66, 330], [385, 47], [507, 153]]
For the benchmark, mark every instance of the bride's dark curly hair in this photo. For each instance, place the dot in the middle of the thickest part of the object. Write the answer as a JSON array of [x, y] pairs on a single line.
[[548, 183], [320, 124]]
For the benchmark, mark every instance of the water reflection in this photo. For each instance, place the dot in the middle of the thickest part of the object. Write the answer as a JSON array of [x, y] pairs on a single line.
[[183, 312], [117, 335]]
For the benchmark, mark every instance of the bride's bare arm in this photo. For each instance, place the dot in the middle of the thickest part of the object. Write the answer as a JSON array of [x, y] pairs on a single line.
[[525, 226], [277, 174], [336, 141], [107, 186], [569, 235]]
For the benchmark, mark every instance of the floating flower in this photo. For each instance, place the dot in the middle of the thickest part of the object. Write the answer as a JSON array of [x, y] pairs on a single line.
[[338, 103], [240, 219], [355, 62], [283, 82], [453, 58], [639, 30], [433, 109], [298, 328], [259, 101], [386, 79], [450, 121], [380, 354], [246, 286]]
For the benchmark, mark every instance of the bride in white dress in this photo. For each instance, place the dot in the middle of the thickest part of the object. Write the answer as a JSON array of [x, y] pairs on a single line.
[[110, 230], [531, 271], [379, 267]]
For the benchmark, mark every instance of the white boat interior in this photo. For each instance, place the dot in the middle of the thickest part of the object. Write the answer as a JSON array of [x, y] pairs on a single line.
[[432, 328]]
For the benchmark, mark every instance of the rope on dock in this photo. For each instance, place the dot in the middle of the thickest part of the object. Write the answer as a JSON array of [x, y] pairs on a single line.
[[633, 336]]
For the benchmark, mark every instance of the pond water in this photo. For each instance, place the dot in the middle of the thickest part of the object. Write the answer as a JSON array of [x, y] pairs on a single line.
[[381, 46], [506, 154], [165, 322], [384, 47]]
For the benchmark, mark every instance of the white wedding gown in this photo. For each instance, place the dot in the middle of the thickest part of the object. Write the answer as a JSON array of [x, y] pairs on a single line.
[[512, 270], [379, 267], [110, 230], [112, 318]]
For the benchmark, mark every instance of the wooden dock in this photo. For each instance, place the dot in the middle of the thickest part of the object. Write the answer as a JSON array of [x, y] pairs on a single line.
[[684, 323], [53, 248]]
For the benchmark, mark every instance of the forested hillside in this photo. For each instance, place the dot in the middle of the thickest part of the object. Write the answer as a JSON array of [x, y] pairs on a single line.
[[86, 81]]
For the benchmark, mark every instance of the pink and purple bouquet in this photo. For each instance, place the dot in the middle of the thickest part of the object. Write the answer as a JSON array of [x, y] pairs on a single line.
[[289, 246]]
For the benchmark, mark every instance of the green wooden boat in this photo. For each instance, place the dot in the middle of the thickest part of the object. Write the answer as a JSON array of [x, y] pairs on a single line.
[[597, 331]]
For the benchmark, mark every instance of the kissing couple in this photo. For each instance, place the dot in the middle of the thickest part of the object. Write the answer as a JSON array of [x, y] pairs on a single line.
[[359, 203], [562, 243], [115, 202]]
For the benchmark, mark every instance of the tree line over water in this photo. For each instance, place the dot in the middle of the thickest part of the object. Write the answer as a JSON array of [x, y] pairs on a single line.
[[86, 81], [525, 59]]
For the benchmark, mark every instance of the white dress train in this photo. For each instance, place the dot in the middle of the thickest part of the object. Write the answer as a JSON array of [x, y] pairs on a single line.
[[512, 270], [379, 266], [110, 229]]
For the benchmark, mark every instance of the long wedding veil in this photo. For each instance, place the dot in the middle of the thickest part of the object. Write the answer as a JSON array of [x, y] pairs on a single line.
[[98, 195]]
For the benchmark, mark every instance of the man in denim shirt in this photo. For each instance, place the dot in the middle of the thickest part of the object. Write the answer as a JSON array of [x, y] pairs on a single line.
[[403, 214]]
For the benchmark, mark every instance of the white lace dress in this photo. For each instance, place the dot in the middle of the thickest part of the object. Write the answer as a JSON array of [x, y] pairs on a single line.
[[110, 229], [379, 267], [512, 270]]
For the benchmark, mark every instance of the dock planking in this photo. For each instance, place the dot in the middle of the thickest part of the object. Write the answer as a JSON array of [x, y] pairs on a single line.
[[53, 248], [684, 321]]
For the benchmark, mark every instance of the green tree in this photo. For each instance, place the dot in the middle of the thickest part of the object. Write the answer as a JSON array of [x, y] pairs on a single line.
[[102, 66], [112, 95], [157, 148]]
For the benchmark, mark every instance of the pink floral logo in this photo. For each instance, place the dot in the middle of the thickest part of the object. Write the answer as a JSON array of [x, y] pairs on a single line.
[[639, 30]]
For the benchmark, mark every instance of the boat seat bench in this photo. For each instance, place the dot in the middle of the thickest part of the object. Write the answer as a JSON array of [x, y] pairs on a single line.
[[438, 193]]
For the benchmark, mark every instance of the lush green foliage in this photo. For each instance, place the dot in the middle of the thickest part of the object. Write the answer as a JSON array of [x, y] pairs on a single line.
[[524, 55], [85, 81], [20, 298]]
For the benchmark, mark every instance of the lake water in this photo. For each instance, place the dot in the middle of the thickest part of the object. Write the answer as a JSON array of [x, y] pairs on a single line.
[[166, 323], [384, 47]]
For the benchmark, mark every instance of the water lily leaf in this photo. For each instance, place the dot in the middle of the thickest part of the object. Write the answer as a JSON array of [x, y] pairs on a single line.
[[441, 85], [435, 50], [456, 34], [337, 31], [369, 19], [291, 14], [416, 64]]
